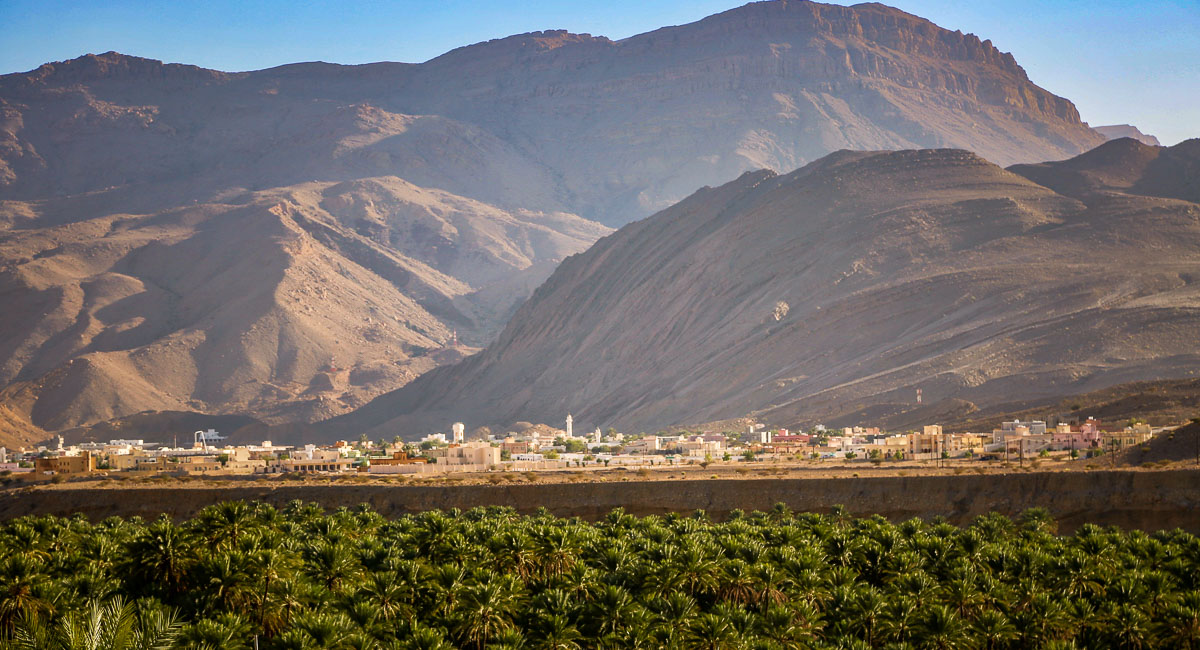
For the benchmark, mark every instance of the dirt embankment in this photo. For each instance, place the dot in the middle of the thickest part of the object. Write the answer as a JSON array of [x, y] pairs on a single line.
[[1131, 499]]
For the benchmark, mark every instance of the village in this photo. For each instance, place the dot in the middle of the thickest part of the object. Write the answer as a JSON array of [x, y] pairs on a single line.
[[530, 448]]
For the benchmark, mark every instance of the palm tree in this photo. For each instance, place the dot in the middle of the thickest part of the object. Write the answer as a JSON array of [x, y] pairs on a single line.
[[611, 610], [993, 630], [738, 584], [867, 612], [420, 637], [939, 628], [268, 565], [222, 584], [332, 564], [711, 632], [788, 628], [112, 625], [1127, 627], [22, 592], [1180, 626], [327, 630], [553, 551], [487, 609], [222, 525], [160, 556], [556, 632]]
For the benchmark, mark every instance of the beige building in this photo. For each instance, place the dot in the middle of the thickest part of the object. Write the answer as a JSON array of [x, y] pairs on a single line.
[[932, 443], [310, 460], [468, 457], [81, 464], [472, 453]]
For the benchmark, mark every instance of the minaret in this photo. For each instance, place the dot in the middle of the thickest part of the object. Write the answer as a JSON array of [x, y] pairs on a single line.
[[458, 429], [569, 421]]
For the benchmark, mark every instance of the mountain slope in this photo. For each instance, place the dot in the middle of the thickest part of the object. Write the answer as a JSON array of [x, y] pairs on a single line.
[[1124, 165], [180, 239], [294, 303], [835, 292]]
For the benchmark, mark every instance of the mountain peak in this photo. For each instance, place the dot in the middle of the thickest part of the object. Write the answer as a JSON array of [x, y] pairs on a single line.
[[1115, 131], [113, 66], [882, 24], [519, 45]]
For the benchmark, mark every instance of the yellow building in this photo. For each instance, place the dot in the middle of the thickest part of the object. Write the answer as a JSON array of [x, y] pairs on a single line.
[[81, 464]]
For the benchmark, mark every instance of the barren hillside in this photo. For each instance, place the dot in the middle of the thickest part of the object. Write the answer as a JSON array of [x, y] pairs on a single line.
[[291, 304], [834, 292]]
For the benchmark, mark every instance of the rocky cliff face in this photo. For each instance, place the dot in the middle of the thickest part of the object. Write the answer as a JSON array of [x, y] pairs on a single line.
[[175, 238], [834, 292]]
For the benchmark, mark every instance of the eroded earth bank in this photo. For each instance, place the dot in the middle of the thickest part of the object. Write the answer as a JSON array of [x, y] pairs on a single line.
[[1148, 500]]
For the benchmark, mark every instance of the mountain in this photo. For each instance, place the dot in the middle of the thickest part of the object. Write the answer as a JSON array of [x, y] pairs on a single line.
[[831, 294], [288, 304], [285, 244], [550, 121], [1118, 131], [1125, 165]]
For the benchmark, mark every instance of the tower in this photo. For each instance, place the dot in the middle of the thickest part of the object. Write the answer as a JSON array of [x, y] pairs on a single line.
[[458, 428], [570, 420]]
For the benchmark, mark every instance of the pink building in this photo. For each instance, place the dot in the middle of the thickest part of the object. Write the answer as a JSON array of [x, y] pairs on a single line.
[[1075, 440], [1085, 436]]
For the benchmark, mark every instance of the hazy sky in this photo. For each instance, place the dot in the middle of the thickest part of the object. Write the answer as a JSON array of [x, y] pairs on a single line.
[[1119, 61]]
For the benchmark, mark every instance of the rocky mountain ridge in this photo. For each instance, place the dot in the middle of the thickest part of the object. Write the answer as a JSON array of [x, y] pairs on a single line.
[[771, 84]]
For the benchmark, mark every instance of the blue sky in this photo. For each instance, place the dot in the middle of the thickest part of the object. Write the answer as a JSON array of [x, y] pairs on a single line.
[[1119, 61]]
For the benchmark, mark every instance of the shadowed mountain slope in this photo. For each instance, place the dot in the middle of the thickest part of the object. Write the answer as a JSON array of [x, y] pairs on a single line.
[[835, 292], [1124, 165]]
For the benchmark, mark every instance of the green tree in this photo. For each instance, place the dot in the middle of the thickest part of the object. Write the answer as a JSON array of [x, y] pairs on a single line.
[[111, 625]]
